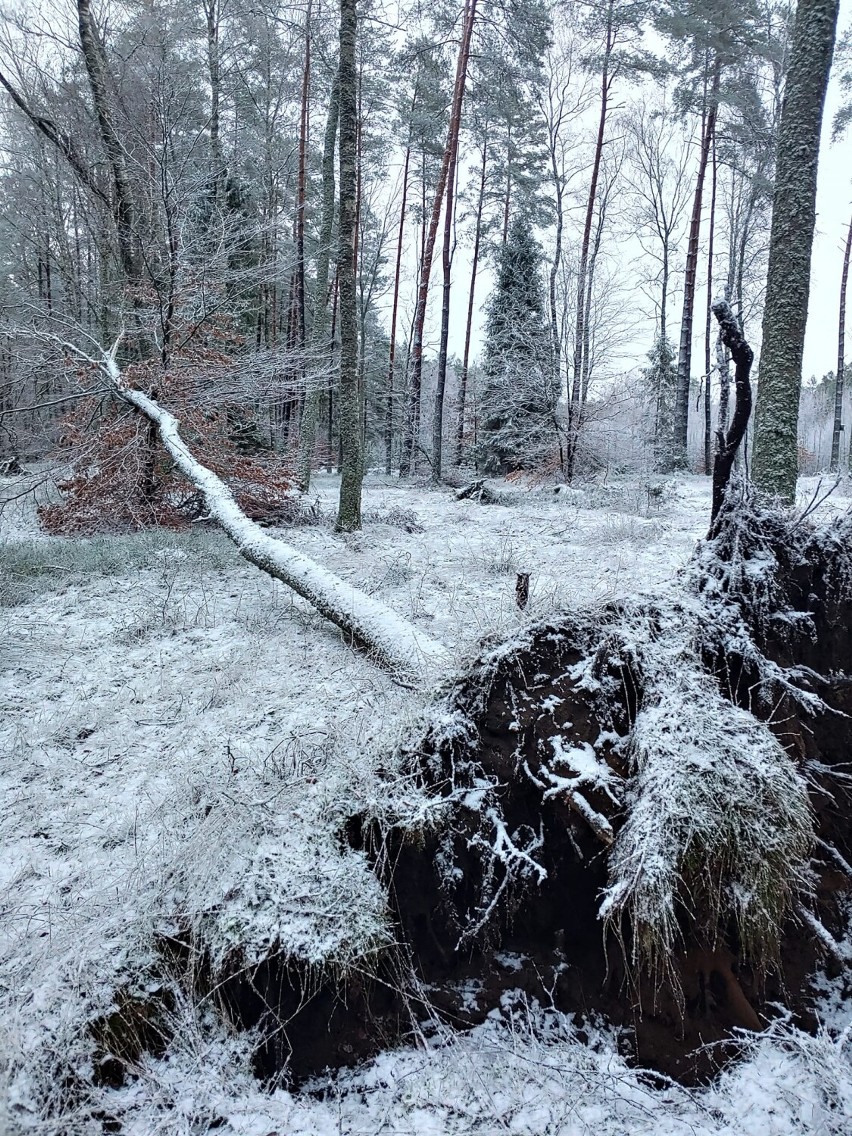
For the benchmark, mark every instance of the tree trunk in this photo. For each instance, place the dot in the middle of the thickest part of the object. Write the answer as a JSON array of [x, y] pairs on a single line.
[[729, 442], [395, 312], [349, 403], [775, 464], [416, 360], [301, 190], [574, 407], [708, 366], [317, 361], [212, 14], [477, 240], [841, 353], [684, 361], [99, 82], [446, 264]]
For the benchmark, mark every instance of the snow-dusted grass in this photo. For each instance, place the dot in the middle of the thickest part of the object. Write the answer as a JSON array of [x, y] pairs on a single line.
[[719, 818], [181, 740]]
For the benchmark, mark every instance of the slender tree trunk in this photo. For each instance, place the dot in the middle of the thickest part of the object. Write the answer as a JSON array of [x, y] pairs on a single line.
[[446, 265], [580, 308], [349, 404], [841, 355], [330, 408], [708, 366], [395, 311], [477, 240], [416, 360], [301, 188], [775, 459], [217, 162], [559, 192], [97, 70], [317, 361], [684, 362]]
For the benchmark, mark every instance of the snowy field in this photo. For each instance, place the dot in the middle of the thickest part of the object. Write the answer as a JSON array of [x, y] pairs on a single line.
[[182, 740]]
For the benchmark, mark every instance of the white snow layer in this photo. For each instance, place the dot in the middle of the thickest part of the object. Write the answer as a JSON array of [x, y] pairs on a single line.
[[180, 740]]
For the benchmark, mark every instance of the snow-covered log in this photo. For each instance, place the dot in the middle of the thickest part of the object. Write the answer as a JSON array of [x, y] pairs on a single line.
[[396, 643]]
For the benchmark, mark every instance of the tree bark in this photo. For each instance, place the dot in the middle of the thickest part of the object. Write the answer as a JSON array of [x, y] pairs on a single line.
[[416, 360], [99, 81], [729, 442], [684, 361], [574, 407], [841, 354], [212, 13], [775, 460]]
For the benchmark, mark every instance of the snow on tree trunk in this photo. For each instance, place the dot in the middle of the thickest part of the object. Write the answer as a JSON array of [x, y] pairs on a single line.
[[775, 462], [395, 642]]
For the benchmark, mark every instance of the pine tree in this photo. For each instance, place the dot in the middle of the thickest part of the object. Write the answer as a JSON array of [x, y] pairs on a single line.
[[518, 403]]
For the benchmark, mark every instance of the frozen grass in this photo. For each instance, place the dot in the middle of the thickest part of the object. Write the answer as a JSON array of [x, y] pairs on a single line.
[[179, 748], [30, 567]]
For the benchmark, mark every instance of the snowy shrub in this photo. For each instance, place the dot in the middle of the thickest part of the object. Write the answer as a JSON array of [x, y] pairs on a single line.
[[622, 528]]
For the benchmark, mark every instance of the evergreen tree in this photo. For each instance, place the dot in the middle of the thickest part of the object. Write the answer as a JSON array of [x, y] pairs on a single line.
[[518, 403], [661, 381]]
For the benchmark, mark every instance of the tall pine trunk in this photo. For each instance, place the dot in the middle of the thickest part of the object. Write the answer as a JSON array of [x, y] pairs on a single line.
[[477, 241], [841, 352], [775, 462], [394, 313], [446, 264], [684, 360], [708, 365], [412, 415], [349, 402]]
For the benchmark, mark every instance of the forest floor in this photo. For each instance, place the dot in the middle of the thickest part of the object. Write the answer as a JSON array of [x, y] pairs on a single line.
[[182, 740]]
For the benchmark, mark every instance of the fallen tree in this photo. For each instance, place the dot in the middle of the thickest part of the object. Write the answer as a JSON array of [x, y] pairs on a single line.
[[394, 642]]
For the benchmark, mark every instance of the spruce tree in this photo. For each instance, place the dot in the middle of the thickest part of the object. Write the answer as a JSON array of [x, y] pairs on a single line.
[[518, 403]]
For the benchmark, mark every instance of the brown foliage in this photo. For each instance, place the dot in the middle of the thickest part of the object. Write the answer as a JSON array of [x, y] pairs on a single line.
[[122, 478]]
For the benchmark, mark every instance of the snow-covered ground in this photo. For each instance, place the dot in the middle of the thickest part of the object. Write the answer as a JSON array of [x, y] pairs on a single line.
[[181, 741]]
